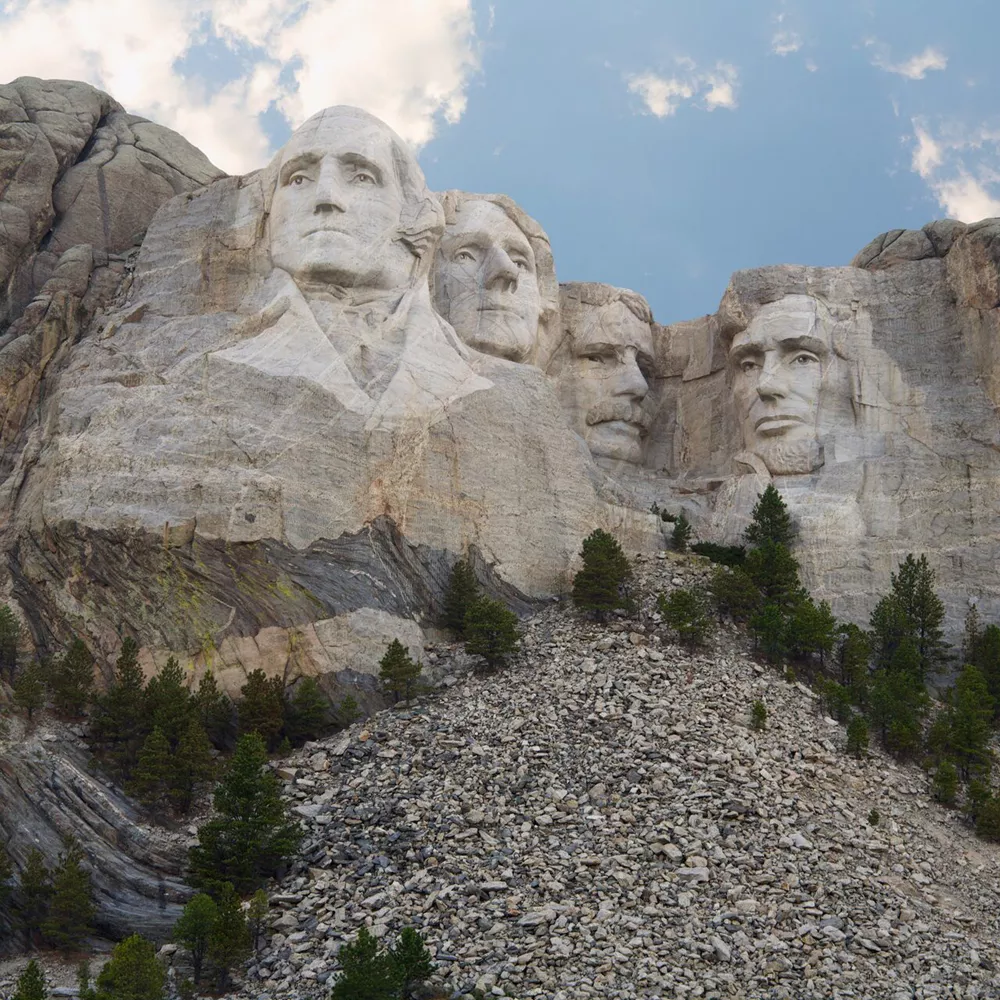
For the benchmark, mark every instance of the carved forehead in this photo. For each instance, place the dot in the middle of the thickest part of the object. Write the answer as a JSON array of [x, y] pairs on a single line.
[[792, 318], [479, 216], [616, 325], [329, 133]]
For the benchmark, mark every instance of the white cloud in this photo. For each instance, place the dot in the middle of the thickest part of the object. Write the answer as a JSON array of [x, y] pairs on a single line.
[[405, 62], [784, 43], [663, 95], [961, 167], [914, 68]]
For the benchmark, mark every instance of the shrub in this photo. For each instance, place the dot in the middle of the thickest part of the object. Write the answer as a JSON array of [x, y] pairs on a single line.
[[597, 587], [491, 631], [857, 736], [194, 928], [686, 612], [836, 700], [988, 820], [681, 534], [734, 593], [370, 973], [462, 593], [132, 973], [946, 783], [758, 716], [31, 983], [724, 555], [874, 818], [398, 673], [348, 710]]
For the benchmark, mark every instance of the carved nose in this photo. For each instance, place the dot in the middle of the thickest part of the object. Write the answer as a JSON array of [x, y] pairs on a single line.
[[329, 194], [501, 271], [631, 382], [771, 384]]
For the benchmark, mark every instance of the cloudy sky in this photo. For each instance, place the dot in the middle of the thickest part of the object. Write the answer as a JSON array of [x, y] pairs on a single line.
[[662, 144]]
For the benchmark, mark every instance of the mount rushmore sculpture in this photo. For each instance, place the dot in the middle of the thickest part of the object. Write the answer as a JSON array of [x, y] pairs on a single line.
[[260, 432]]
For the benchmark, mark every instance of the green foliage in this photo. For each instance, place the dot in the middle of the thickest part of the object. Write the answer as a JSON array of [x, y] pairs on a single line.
[[194, 928], [29, 690], [462, 593], [229, 938], [491, 631], [768, 629], [251, 836], [854, 655], [874, 817], [398, 673], [770, 522], [216, 711], [946, 783], [411, 960], [11, 634], [967, 724], [307, 712], [262, 707], [34, 890], [71, 907], [811, 629], [348, 710], [30, 984], [193, 765], [257, 917], [723, 555], [734, 593], [132, 973], [681, 534], [168, 702], [775, 573], [598, 586], [758, 716], [988, 819], [857, 736], [986, 656], [371, 973], [71, 680], [898, 702], [836, 700], [685, 610], [120, 722], [152, 774], [977, 794]]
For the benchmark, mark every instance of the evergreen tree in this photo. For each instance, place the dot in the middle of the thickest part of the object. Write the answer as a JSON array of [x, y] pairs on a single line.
[[758, 716], [768, 629], [398, 674], [770, 521], [913, 587], [32, 897], [734, 593], [811, 629], [132, 973], [970, 714], [216, 711], [775, 573], [898, 701], [256, 918], [229, 939], [988, 819], [262, 707], [857, 736], [463, 591], [973, 635], [854, 654], [194, 929], [946, 783], [153, 772], [411, 960], [686, 612], [71, 908], [889, 628], [491, 632], [681, 534], [192, 765], [367, 972], [251, 836], [598, 585], [120, 721], [348, 710], [29, 691], [71, 680], [168, 702], [987, 658], [307, 712], [31, 983], [11, 634]]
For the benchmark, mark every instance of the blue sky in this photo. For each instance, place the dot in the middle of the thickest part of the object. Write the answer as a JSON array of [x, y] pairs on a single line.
[[661, 144]]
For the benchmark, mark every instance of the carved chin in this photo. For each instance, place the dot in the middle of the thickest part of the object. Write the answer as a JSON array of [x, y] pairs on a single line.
[[504, 340], [616, 441], [790, 458]]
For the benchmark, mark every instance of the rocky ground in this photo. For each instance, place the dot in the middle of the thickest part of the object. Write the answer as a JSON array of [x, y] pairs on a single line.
[[599, 820]]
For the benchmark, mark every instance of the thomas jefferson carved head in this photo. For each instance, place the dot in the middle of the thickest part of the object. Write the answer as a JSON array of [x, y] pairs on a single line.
[[494, 279], [603, 366], [350, 206]]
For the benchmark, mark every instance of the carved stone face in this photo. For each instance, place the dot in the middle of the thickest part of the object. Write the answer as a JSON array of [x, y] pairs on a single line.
[[778, 366], [485, 284], [604, 381], [335, 214]]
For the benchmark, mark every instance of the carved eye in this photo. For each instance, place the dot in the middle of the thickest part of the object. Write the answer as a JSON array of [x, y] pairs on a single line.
[[297, 179], [465, 255], [805, 359], [599, 358], [520, 264], [748, 365], [363, 177]]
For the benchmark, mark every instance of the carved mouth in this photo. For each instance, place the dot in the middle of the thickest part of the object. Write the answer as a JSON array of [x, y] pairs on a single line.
[[777, 420], [326, 229]]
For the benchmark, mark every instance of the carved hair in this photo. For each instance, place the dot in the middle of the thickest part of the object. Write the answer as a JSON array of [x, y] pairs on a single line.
[[591, 293]]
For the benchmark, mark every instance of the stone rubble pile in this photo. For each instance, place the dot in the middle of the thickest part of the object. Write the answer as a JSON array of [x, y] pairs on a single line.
[[599, 820]]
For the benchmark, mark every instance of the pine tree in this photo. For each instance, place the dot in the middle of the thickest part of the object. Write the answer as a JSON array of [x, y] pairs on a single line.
[[348, 710], [854, 654], [31, 984], [970, 715], [367, 972], [811, 629], [71, 908], [972, 636], [681, 534], [987, 658], [898, 701], [153, 772], [132, 973], [770, 521], [946, 783], [193, 765], [768, 629], [775, 573], [307, 712], [194, 929], [251, 836], [686, 612], [734, 594], [33, 893], [168, 702], [256, 918], [229, 939], [71, 680], [913, 587], [11, 635], [216, 711], [857, 736], [598, 585], [889, 628], [491, 632], [29, 691], [262, 707], [120, 721], [398, 674], [411, 960], [463, 591]]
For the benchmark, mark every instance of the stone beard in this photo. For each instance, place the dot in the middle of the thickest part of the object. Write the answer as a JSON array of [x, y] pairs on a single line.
[[603, 370], [486, 282]]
